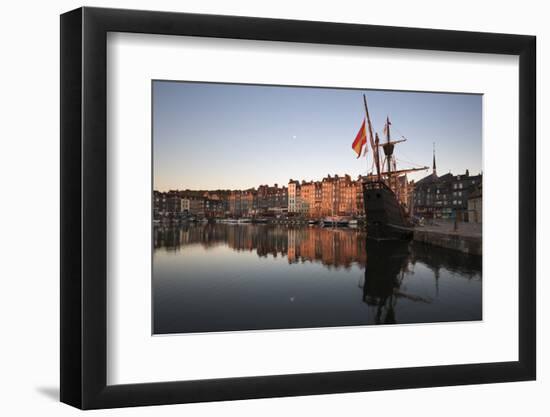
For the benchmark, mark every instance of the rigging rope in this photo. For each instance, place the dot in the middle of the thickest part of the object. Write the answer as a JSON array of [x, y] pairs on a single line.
[[409, 162]]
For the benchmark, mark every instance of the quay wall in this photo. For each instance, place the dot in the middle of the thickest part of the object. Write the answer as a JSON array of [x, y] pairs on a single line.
[[466, 244]]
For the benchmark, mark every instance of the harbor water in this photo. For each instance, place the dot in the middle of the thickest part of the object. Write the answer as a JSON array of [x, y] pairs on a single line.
[[230, 277]]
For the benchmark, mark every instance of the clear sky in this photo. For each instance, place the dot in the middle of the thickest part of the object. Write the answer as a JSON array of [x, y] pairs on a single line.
[[230, 136]]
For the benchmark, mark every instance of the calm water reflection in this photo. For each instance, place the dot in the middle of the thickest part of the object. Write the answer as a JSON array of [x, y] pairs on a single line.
[[220, 277]]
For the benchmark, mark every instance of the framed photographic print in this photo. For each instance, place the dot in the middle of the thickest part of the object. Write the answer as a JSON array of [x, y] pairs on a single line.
[[258, 207]]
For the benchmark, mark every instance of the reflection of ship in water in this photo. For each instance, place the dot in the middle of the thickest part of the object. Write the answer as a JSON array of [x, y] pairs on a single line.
[[398, 280], [383, 277], [389, 264], [330, 246]]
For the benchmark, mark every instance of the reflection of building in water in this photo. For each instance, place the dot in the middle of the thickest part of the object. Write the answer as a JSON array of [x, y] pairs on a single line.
[[332, 247], [338, 247], [395, 273], [436, 259]]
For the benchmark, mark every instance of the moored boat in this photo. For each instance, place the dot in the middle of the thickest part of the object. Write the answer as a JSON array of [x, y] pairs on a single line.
[[384, 200], [386, 217], [335, 221]]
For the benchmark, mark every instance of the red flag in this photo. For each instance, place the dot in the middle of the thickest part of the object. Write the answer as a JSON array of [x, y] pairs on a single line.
[[360, 140]]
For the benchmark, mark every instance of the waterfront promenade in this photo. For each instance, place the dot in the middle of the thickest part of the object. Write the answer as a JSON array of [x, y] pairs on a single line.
[[466, 238]]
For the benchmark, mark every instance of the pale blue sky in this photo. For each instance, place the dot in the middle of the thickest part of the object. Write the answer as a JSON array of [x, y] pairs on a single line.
[[229, 136]]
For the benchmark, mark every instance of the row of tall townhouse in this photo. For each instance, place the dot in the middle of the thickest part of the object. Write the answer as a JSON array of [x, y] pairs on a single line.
[[242, 202], [448, 196], [333, 195], [184, 203], [265, 200]]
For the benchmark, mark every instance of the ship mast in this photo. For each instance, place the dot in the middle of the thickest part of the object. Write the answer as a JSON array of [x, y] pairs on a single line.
[[388, 144], [374, 150], [388, 152], [388, 148]]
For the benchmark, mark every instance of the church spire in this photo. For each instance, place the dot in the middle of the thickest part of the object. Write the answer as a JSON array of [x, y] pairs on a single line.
[[434, 170]]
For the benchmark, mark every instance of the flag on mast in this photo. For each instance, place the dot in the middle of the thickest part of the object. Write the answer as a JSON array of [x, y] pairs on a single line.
[[360, 140]]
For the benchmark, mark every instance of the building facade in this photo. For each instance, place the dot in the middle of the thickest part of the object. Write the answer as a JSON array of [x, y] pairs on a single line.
[[242, 203], [446, 196], [293, 194], [332, 195], [274, 200], [475, 206]]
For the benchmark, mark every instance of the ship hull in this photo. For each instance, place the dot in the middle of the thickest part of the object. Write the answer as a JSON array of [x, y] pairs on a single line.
[[385, 217]]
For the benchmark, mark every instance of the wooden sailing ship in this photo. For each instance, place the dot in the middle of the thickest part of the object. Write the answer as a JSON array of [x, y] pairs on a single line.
[[384, 193]]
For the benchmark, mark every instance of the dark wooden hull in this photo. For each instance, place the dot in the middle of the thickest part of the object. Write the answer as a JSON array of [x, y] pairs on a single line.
[[385, 217]]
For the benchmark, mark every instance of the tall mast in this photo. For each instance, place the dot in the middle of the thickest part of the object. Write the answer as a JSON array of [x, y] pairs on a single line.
[[388, 157], [374, 151]]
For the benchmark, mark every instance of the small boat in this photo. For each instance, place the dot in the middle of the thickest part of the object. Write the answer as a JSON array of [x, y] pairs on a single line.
[[335, 221], [244, 220]]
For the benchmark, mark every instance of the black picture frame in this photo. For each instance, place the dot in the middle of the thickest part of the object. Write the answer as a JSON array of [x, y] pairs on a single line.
[[84, 207]]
